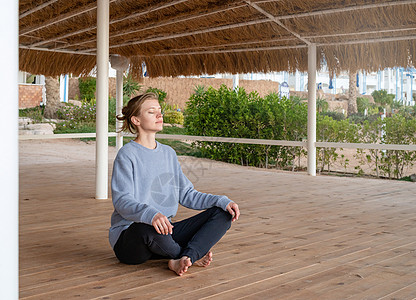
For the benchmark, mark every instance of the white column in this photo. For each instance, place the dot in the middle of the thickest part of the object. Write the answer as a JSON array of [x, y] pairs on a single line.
[[9, 163], [312, 109], [297, 81], [63, 87], [101, 159], [235, 81], [389, 81], [119, 107], [409, 88], [383, 84]]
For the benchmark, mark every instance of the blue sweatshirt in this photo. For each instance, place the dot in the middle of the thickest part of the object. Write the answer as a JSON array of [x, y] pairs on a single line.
[[148, 181]]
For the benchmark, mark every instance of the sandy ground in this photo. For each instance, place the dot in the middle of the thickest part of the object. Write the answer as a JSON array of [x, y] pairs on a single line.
[[74, 150]]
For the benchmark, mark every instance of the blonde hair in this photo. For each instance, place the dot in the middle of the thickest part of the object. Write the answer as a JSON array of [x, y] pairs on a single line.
[[133, 108]]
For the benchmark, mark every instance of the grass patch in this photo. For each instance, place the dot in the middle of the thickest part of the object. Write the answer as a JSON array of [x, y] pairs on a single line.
[[82, 128], [35, 113]]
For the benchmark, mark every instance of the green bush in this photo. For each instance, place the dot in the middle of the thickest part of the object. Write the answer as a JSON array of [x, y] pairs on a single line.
[[338, 116], [330, 130], [35, 113], [173, 117], [383, 98], [162, 94], [228, 113], [130, 86], [76, 116], [363, 103], [87, 88], [398, 130], [394, 130]]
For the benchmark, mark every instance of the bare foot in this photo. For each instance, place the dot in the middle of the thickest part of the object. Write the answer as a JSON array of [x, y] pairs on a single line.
[[205, 261], [180, 266]]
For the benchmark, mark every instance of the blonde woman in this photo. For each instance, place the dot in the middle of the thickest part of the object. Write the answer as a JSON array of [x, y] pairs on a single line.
[[147, 186]]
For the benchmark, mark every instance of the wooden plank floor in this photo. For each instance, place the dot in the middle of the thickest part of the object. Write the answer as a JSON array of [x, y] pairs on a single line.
[[299, 237]]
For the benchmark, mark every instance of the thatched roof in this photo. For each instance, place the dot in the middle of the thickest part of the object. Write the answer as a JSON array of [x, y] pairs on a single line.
[[192, 37]]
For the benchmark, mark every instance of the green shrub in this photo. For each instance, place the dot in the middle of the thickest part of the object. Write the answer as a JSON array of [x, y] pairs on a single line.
[[360, 119], [75, 116], [362, 104], [130, 86], [321, 105], [228, 113], [383, 98], [330, 130], [87, 87], [398, 130], [162, 94], [173, 117], [112, 111], [35, 113], [338, 116]]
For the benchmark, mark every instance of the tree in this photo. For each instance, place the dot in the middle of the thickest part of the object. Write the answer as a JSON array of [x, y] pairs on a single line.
[[352, 93], [322, 105], [52, 97], [381, 97]]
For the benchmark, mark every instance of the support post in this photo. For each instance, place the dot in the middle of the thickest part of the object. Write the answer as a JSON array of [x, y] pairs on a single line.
[[9, 160], [119, 107], [101, 160], [236, 78], [312, 109]]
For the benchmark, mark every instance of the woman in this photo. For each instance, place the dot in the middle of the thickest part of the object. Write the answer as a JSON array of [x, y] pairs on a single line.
[[147, 185]]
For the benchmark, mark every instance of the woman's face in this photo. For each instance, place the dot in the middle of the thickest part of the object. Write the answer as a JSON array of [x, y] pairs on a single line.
[[150, 118]]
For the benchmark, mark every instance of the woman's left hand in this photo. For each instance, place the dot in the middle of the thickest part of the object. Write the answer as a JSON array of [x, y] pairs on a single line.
[[232, 208]]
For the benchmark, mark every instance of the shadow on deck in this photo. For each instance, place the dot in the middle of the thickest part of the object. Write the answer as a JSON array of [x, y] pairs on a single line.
[[299, 237]]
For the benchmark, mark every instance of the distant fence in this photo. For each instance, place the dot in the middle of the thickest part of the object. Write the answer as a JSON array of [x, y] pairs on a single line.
[[232, 140]]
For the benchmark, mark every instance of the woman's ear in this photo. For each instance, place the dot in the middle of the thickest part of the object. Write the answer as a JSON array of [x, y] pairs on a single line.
[[135, 120]]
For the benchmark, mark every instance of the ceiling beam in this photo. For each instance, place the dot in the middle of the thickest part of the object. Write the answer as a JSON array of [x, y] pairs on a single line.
[[367, 41], [304, 39], [179, 35], [87, 9], [61, 18], [256, 49], [36, 8], [347, 9], [235, 44], [277, 21], [56, 50], [324, 12], [163, 23], [370, 41], [360, 33]]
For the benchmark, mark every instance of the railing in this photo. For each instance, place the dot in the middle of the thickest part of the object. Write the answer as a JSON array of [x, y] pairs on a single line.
[[233, 140]]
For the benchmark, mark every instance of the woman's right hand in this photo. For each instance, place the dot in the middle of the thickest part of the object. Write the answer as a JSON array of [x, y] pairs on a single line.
[[161, 224]]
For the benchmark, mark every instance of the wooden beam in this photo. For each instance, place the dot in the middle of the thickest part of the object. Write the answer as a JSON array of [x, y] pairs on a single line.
[[56, 50], [162, 23], [36, 8], [279, 18], [277, 21], [390, 39], [347, 9], [377, 40], [61, 18], [359, 33], [175, 36]]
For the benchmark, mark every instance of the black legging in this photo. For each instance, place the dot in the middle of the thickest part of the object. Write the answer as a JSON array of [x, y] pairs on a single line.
[[192, 237]]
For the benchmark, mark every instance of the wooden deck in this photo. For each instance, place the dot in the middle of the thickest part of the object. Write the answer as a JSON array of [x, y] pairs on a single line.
[[299, 237]]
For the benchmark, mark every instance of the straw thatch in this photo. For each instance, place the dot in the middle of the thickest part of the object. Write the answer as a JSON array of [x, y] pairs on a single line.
[[193, 37]]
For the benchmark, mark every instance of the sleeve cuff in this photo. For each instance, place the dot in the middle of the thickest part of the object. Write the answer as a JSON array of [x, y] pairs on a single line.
[[223, 202]]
